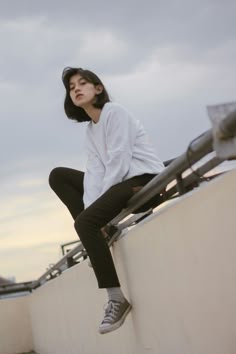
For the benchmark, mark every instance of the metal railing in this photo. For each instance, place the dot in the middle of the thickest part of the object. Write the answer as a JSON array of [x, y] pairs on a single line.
[[174, 172], [171, 182], [13, 288]]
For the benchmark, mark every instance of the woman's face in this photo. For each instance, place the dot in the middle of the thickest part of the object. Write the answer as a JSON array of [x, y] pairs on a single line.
[[83, 93]]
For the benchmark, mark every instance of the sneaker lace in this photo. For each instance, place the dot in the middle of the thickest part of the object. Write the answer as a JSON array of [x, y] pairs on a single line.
[[111, 310]]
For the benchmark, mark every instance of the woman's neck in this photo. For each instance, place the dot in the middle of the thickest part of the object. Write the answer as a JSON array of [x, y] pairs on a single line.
[[93, 113]]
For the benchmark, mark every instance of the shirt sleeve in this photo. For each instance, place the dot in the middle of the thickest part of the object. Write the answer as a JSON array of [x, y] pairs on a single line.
[[93, 177], [120, 133]]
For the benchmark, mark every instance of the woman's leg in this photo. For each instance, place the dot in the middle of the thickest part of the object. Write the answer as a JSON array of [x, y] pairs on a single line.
[[89, 223], [67, 183]]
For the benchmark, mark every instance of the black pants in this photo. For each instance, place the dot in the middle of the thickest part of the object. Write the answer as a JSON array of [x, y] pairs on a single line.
[[68, 185]]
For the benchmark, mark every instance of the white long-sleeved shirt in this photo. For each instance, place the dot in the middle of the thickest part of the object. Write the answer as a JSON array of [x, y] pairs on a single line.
[[118, 149]]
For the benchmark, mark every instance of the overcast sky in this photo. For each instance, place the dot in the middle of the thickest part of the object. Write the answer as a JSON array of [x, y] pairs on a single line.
[[165, 61]]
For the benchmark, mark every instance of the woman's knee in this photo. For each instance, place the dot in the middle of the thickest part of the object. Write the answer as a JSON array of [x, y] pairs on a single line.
[[85, 224], [55, 176], [81, 222]]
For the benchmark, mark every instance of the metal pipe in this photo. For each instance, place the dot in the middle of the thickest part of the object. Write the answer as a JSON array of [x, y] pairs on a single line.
[[199, 148], [194, 176]]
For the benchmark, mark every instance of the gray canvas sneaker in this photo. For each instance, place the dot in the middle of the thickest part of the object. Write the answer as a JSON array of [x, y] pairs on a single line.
[[115, 314]]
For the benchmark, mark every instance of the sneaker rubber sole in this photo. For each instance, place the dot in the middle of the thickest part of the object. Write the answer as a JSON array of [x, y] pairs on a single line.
[[117, 324]]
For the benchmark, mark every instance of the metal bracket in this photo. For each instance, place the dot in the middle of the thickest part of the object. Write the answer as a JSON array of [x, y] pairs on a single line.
[[224, 135]]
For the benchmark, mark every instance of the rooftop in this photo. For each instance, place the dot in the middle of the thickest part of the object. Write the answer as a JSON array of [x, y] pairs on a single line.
[[177, 266]]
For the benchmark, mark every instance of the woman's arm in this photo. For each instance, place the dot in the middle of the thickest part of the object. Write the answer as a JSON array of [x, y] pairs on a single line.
[[120, 138], [93, 178]]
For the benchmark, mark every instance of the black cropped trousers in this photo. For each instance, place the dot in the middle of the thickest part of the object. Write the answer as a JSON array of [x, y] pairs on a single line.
[[67, 183]]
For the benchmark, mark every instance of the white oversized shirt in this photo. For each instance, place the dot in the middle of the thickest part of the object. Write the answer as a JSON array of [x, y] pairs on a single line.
[[118, 148]]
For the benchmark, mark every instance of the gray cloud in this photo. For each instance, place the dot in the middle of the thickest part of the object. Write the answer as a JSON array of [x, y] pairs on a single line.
[[164, 61], [189, 41]]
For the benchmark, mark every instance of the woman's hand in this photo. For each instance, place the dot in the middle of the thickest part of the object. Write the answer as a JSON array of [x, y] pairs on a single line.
[[104, 232], [137, 189]]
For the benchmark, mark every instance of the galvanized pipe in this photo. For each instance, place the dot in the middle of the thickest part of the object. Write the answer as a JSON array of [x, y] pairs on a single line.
[[199, 147]]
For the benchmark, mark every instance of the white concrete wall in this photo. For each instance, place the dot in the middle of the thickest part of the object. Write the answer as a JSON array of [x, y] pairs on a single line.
[[177, 268], [15, 326]]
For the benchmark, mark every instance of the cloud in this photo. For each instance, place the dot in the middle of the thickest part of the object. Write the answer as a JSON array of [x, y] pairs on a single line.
[[34, 223], [164, 61], [29, 263]]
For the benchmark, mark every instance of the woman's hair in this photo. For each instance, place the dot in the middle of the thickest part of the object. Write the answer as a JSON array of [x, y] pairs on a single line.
[[78, 113]]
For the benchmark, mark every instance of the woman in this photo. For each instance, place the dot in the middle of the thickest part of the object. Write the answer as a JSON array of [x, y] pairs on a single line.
[[120, 161]]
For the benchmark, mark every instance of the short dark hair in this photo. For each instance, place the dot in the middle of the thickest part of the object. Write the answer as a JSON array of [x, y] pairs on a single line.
[[78, 113]]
